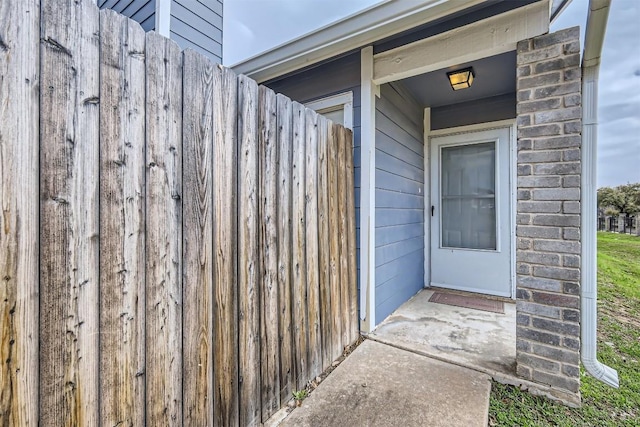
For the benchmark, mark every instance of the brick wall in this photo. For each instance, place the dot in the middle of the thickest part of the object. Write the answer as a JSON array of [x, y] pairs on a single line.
[[548, 212]]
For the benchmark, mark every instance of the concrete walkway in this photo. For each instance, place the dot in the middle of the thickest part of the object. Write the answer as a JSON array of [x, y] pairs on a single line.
[[380, 385], [475, 339]]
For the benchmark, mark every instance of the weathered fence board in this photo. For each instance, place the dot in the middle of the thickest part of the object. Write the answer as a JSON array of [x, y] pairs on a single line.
[[164, 231], [197, 133], [311, 237], [298, 252], [334, 243], [69, 234], [284, 112], [323, 244], [248, 261], [225, 237], [196, 232], [19, 108], [122, 210], [340, 140], [268, 161], [350, 205]]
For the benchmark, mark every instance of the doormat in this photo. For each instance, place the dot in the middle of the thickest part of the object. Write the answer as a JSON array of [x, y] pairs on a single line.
[[474, 302]]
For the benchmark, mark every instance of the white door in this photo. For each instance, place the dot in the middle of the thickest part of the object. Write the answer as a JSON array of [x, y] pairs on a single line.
[[471, 212]]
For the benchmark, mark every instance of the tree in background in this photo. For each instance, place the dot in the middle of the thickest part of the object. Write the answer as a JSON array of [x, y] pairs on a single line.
[[623, 199]]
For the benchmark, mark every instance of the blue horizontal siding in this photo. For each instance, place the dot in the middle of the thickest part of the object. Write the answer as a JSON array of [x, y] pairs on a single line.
[[396, 166], [399, 195], [204, 18], [391, 146], [397, 250], [392, 296], [398, 233], [388, 271], [398, 200], [196, 26], [390, 216], [389, 181], [399, 134], [141, 11]]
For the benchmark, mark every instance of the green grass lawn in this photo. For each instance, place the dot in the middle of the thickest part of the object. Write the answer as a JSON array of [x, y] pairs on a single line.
[[618, 347]]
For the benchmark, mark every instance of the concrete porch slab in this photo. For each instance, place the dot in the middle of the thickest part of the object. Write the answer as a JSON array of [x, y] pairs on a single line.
[[379, 385], [471, 338]]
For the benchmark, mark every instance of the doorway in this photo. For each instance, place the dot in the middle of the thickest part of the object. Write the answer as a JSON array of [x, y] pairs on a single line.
[[471, 221]]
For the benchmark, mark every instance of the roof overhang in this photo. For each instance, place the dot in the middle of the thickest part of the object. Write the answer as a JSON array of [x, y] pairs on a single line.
[[557, 7], [378, 22]]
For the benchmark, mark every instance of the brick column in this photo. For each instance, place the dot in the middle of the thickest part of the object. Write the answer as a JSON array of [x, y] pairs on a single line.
[[548, 212]]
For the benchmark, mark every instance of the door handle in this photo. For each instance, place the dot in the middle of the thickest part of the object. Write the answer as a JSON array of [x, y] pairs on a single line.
[[433, 208]]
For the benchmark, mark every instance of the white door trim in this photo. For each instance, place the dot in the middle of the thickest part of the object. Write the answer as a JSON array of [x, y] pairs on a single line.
[[513, 181]]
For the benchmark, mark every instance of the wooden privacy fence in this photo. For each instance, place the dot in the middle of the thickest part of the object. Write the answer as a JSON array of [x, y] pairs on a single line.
[[177, 244]]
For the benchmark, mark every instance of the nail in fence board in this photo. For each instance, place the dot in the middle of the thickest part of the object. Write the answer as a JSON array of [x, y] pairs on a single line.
[[69, 201], [122, 220]]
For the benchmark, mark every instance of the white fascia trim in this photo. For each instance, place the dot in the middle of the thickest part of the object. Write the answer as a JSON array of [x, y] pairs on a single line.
[[378, 22], [588, 200], [367, 193], [331, 103], [163, 17], [488, 37]]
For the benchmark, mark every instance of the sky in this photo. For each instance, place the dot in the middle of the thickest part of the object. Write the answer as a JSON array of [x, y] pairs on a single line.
[[253, 26]]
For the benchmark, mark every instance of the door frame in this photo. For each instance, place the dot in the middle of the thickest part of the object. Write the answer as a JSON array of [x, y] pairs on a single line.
[[513, 184]]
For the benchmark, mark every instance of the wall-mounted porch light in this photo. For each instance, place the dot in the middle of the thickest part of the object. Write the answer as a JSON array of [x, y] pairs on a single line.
[[461, 79]]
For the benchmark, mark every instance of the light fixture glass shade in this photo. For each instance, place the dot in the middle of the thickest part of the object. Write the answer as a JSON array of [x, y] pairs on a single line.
[[461, 79]]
